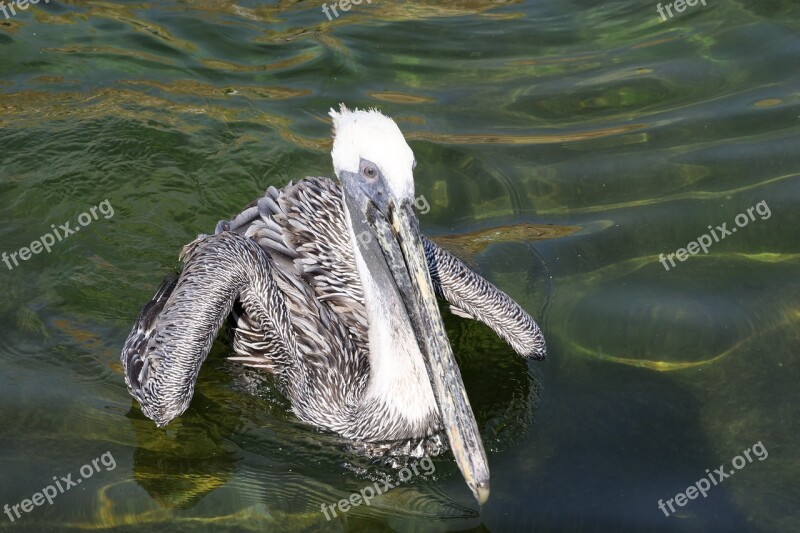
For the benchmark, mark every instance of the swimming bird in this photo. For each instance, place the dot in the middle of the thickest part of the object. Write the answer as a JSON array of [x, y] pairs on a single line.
[[331, 287]]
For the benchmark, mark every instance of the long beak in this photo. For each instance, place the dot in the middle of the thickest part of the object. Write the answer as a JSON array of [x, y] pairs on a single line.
[[397, 233]]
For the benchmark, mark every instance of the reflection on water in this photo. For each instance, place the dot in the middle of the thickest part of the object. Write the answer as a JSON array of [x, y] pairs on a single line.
[[562, 147]]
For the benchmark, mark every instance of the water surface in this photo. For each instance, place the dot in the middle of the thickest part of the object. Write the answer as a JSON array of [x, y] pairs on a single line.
[[562, 146]]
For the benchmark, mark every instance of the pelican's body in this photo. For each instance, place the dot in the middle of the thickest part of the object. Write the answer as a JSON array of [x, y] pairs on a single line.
[[331, 288]]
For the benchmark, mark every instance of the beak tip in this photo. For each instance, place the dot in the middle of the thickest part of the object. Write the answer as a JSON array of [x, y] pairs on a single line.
[[481, 492]]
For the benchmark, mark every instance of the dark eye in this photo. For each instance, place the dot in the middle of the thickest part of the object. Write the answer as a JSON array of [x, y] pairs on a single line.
[[370, 171]]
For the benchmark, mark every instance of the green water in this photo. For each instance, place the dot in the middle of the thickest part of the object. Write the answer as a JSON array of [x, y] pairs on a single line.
[[562, 146]]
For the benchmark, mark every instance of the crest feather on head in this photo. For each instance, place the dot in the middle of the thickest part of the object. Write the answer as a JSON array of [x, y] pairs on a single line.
[[369, 134]]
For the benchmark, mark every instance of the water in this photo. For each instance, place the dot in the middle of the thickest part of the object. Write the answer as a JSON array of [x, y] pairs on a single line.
[[562, 146]]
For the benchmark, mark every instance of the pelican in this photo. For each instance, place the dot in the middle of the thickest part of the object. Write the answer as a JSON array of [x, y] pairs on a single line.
[[331, 287]]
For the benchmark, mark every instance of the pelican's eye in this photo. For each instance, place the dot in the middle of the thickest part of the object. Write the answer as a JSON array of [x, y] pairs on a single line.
[[369, 170]]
